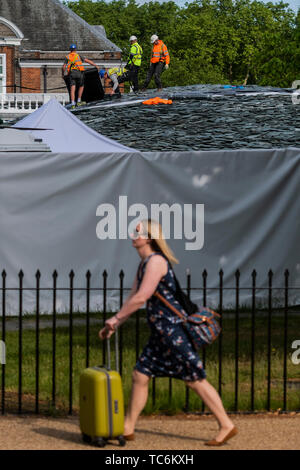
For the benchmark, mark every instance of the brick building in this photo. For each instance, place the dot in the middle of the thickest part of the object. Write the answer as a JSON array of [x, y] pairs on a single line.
[[35, 36]]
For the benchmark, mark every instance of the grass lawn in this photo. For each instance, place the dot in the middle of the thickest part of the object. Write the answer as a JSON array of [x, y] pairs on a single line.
[[162, 402]]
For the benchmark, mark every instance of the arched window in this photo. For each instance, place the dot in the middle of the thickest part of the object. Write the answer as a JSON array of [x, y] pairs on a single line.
[[10, 34]]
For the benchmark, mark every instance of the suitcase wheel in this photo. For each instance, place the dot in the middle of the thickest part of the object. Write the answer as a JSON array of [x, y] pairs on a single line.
[[86, 438], [122, 441], [100, 442]]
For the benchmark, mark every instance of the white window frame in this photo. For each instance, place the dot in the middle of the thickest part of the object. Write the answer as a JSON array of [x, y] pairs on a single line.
[[3, 74]]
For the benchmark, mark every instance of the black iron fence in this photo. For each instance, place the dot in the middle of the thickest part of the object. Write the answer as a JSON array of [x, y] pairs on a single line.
[[253, 334]]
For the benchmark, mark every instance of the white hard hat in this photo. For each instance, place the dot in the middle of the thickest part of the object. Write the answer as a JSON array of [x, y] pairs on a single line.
[[153, 38], [132, 38]]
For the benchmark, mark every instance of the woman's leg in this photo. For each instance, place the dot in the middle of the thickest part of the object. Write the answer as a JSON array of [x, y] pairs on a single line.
[[138, 400], [213, 401]]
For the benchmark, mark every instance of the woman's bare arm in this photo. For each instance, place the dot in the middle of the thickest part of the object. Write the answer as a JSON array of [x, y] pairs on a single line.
[[132, 291], [156, 268]]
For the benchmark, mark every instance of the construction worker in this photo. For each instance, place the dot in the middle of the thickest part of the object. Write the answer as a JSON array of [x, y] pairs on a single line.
[[160, 60], [117, 75], [75, 71], [134, 62]]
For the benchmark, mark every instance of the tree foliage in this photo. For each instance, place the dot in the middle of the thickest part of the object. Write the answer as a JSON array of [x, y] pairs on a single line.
[[209, 41]]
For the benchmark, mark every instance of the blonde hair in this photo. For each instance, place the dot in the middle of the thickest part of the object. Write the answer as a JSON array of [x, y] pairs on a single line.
[[154, 231]]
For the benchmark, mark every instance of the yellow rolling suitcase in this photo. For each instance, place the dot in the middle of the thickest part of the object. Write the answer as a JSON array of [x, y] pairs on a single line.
[[102, 403]]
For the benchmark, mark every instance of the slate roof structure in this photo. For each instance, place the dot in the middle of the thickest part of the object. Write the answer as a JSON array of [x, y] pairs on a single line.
[[58, 27], [202, 117]]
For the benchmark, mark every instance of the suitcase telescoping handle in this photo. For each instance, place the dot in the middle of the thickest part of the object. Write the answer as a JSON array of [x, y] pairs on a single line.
[[116, 350]]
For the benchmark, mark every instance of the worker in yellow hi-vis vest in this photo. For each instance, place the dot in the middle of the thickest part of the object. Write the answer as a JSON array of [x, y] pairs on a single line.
[[134, 62], [117, 75]]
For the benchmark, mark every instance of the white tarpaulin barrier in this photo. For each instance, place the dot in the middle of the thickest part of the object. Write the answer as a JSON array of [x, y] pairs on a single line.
[[65, 132], [51, 206]]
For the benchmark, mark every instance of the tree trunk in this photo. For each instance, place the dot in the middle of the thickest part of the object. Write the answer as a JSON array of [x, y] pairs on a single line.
[[230, 73], [247, 75]]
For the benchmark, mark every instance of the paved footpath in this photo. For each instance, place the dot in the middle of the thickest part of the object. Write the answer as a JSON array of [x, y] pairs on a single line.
[[187, 432]]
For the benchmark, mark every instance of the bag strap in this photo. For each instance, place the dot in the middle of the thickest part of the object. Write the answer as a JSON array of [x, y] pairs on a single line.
[[170, 306], [180, 315], [192, 306]]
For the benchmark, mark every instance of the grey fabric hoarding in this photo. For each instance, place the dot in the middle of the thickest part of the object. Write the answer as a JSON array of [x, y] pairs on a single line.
[[48, 218]]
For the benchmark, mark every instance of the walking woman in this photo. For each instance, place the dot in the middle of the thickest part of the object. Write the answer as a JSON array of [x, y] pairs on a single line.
[[169, 353]]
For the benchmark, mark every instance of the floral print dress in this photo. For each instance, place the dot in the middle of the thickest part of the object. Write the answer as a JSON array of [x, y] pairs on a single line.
[[168, 352]]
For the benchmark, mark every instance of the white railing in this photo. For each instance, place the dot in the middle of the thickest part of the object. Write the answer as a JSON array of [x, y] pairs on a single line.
[[26, 103]]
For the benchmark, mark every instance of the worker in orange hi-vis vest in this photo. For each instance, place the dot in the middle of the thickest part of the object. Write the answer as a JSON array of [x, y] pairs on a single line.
[[160, 60], [75, 70]]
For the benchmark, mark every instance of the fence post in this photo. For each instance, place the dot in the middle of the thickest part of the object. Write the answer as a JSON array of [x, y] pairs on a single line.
[[286, 306], [121, 329], [187, 390], [237, 296], [253, 338], [37, 335], [55, 275], [104, 275], [71, 276], [221, 273], [21, 276], [88, 281], [270, 275], [3, 337], [204, 275]]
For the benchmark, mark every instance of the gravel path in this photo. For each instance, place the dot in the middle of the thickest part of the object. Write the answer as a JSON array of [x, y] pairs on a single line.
[[186, 432]]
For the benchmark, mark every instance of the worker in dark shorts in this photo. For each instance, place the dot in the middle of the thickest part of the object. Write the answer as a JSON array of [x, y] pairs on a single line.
[[75, 70]]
